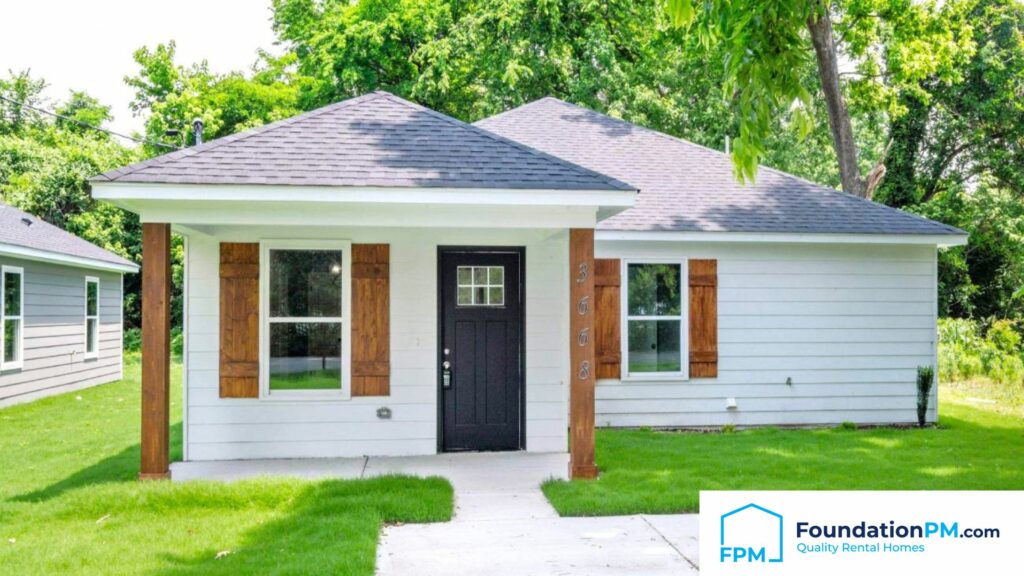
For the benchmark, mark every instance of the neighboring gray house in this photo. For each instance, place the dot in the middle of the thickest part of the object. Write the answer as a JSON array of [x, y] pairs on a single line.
[[61, 310]]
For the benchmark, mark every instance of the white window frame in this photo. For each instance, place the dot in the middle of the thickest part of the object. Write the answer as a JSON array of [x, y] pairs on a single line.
[[345, 390], [684, 322], [95, 353], [20, 362]]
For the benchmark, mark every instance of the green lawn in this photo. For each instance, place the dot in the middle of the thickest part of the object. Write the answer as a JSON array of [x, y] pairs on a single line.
[[69, 503], [643, 471], [317, 380]]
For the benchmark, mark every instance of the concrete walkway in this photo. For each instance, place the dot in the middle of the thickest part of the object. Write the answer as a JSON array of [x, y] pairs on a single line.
[[503, 525]]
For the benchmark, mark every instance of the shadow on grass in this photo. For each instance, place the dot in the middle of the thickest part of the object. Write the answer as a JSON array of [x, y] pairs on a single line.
[[120, 467], [330, 527]]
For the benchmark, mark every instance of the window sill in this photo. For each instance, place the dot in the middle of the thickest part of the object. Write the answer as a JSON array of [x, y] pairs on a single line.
[[306, 396], [660, 378]]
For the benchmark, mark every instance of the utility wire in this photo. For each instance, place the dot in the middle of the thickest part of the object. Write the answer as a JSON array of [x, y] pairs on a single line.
[[89, 126]]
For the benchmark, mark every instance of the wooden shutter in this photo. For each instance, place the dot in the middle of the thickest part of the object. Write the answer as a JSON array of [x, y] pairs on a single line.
[[607, 284], [239, 320], [703, 318], [371, 343]]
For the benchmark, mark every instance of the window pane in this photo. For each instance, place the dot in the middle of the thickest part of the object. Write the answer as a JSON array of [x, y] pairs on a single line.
[[91, 298], [480, 296], [305, 356], [12, 294], [465, 296], [465, 276], [496, 296], [654, 290], [90, 335], [12, 333], [496, 275], [654, 346], [305, 283], [480, 276]]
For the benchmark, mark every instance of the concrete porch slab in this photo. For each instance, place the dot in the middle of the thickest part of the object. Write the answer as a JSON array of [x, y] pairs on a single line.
[[230, 470]]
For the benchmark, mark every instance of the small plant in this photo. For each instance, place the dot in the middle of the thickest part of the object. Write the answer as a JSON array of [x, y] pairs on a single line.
[[847, 425], [728, 429], [925, 381]]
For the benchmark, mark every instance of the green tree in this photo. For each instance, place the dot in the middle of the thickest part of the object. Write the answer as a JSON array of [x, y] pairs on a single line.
[[171, 95], [891, 44]]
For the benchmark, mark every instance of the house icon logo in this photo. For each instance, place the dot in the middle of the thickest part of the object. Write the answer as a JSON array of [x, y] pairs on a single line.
[[750, 534]]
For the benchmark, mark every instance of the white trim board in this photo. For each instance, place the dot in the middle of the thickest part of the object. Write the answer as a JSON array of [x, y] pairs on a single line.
[[362, 194], [940, 240], [26, 253]]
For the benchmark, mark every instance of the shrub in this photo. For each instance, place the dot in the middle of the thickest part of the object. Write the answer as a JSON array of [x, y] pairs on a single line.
[[133, 341], [971, 350], [847, 426], [925, 380]]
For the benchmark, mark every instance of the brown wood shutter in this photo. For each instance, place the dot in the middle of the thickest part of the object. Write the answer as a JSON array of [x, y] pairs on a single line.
[[703, 318], [371, 342], [607, 284], [239, 320]]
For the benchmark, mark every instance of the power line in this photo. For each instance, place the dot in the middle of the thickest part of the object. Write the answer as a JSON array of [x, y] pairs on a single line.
[[85, 125]]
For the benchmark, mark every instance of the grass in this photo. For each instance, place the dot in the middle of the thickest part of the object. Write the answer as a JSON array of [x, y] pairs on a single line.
[[69, 503], [316, 380], [644, 471]]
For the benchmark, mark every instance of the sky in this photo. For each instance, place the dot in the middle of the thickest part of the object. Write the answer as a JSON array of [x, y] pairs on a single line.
[[88, 45]]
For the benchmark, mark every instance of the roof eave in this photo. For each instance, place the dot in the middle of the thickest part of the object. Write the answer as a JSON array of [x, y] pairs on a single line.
[[35, 254], [940, 240]]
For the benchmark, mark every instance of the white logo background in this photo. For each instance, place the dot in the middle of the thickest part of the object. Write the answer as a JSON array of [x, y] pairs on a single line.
[[959, 556]]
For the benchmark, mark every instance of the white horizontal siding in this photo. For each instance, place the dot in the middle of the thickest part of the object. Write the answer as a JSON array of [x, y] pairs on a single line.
[[808, 334], [54, 337], [254, 428]]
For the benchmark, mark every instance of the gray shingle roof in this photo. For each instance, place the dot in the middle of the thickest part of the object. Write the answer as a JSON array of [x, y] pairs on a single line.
[[687, 187], [374, 140], [41, 235]]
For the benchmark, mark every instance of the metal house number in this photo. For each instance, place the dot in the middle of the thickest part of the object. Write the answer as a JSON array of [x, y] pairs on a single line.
[[582, 308]]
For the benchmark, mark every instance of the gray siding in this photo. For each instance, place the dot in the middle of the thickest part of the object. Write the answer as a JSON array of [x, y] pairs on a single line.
[[55, 332]]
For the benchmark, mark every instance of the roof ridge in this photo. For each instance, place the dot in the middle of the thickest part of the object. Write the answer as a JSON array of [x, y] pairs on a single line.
[[236, 137], [528, 149], [820, 187]]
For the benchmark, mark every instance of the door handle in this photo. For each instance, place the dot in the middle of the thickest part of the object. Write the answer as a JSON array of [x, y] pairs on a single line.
[[446, 374]]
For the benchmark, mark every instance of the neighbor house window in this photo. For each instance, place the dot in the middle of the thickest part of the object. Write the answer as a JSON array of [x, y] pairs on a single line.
[[92, 316], [306, 294], [655, 310], [12, 316]]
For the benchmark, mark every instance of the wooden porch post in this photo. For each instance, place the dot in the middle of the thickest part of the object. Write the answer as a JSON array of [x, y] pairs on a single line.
[[156, 350], [582, 360]]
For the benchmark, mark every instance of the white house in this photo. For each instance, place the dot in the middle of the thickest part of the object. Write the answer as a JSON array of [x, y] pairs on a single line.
[[60, 314], [376, 278]]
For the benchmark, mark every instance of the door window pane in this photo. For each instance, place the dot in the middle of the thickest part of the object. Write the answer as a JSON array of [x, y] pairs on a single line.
[[654, 346], [480, 286], [305, 283], [654, 290], [305, 356]]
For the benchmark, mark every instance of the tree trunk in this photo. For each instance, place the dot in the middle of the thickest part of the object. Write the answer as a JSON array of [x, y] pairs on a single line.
[[820, 26]]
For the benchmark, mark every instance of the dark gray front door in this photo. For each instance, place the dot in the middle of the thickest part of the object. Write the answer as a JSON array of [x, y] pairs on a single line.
[[481, 349]]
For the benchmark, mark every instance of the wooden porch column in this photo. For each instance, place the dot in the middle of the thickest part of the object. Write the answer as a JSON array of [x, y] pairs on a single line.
[[581, 344], [156, 350]]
